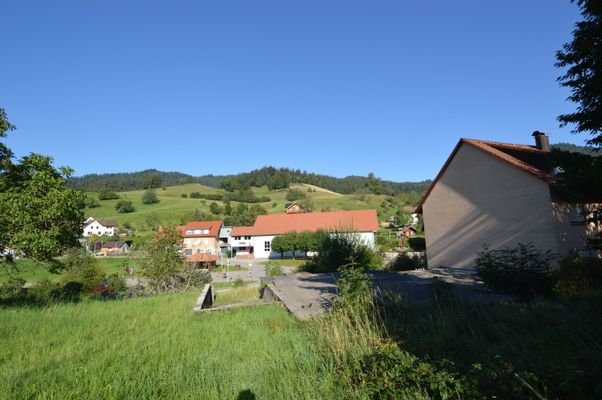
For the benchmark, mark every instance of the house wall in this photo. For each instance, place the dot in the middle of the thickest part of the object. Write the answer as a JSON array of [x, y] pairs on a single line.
[[95, 228], [202, 245], [480, 199], [571, 234], [258, 243]]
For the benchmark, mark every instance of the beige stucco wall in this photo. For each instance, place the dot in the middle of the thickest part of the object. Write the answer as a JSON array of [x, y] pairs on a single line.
[[202, 244], [481, 199]]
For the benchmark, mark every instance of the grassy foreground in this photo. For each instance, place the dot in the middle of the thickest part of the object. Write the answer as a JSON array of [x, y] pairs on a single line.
[[157, 348]]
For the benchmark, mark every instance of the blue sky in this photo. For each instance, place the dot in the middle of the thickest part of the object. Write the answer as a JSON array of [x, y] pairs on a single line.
[[333, 87]]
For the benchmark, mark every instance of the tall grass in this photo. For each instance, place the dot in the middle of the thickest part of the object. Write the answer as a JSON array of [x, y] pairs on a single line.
[[157, 348]]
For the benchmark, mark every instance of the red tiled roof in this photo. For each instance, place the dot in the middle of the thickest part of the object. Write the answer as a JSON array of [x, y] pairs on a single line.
[[213, 226], [278, 224], [524, 157], [201, 257]]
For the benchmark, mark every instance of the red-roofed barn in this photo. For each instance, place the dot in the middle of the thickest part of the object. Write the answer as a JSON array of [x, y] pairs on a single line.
[[256, 240]]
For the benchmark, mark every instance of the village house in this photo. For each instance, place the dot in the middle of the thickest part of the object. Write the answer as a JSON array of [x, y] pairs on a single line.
[[294, 208], [200, 237], [116, 248], [99, 227], [256, 241], [499, 194]]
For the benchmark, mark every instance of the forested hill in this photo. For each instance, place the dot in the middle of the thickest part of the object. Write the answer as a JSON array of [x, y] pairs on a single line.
[[275, 178], [123, 181], [591, 151], [278, 178]]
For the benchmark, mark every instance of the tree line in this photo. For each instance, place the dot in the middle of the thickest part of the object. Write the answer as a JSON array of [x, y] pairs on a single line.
[[273, 178]]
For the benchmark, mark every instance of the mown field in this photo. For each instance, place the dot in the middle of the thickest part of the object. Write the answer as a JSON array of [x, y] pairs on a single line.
[[156, 348], [173, 209]]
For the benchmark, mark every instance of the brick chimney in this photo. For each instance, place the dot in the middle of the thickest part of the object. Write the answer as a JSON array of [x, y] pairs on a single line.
[[542, 141]]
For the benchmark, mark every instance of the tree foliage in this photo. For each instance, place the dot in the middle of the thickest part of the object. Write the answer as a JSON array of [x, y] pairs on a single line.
[[107, 194], [295, 194], [162, 257], [124, 207], [582, 58], [40, 215], [149, 197]]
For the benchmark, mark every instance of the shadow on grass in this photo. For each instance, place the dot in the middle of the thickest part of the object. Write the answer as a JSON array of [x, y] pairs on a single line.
[[246, 395], [539, 349]]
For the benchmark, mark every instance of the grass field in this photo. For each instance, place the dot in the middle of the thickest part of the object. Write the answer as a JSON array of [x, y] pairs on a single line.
[[156, 348], [32, 272]]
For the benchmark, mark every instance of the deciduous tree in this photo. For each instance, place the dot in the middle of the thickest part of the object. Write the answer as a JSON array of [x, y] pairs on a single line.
[[582, 58]]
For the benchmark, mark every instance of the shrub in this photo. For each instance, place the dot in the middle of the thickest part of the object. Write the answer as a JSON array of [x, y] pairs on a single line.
[[124, 206], [336, 249], [13, 292], [578, 275], [238, 282], [195, 195], [417, 243], [355, 286], [295, 194], [406, 262], [91, 202], [184, 195], [391, 373], [273, 269], [106, 194], [522, 270], [149, 197], [82, 269]]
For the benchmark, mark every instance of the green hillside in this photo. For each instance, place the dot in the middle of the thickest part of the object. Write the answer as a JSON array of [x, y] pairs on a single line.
[[173, 208]]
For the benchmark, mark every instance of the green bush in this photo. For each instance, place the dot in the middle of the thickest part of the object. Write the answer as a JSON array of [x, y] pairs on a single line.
[[238, 282], [91, 202], [295, 194], [405, 262], [578, 276], [391, 373], [13, 292], [106, 194], [195, 195], [522, 270], [417, 243], [355, 286], [184, 195], [273, 269], [149, 197], [82, 269], [336, 249], [124, 206]]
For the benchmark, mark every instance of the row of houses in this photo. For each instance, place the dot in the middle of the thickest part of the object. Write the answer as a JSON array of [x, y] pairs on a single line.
[[211, 239]]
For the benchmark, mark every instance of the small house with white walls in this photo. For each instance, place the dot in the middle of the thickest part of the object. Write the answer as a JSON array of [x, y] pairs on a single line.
[[256, 241], [101, 227]]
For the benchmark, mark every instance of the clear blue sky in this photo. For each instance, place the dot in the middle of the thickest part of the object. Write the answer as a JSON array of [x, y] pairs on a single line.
[[333, 87]]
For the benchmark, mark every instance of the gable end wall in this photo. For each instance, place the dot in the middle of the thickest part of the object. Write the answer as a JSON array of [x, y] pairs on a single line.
[[480, 199]]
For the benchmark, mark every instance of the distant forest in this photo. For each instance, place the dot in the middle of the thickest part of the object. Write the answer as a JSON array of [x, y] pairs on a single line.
[[590, 151], [275, 178]]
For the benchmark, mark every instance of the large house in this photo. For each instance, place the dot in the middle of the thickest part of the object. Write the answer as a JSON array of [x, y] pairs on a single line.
[[101, 227], [256, 241], [200, 237], [498, 194]]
